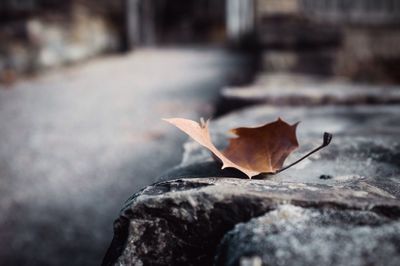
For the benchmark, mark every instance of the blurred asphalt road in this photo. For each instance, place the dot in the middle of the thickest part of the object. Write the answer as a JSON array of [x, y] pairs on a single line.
[[76, 142]]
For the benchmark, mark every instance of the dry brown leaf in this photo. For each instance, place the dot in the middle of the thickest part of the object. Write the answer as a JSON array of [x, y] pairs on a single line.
[[255, 150]]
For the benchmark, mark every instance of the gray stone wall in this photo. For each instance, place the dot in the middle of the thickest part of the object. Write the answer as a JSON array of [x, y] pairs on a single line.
[[357, 39], [368, 12], [40, 34]]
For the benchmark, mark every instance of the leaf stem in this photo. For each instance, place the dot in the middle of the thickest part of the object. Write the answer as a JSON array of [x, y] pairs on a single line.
[[327, 140]]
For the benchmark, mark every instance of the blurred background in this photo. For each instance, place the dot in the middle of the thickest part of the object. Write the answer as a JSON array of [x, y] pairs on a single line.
[[84, 83]]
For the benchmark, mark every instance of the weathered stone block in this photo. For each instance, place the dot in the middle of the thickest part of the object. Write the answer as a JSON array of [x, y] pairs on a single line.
[[181, 222], [295, 89], [349, 192], [306, 237]]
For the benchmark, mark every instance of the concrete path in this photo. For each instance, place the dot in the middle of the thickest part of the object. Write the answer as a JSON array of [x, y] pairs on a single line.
[[75, 143]]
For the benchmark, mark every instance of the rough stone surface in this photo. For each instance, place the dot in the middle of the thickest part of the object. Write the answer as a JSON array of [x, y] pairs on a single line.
[[313, 237], [206, 208], [353, 183], [365, 145], [284, 88]]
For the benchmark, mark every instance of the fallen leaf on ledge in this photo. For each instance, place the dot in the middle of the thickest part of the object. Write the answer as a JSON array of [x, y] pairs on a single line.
[[254, 151]]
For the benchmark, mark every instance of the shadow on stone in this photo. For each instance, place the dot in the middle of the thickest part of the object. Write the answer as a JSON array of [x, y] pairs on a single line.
[[201, 169]]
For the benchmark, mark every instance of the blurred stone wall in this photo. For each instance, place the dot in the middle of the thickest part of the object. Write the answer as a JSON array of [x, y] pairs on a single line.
[[358, 39], [164, 22], [37, 34]]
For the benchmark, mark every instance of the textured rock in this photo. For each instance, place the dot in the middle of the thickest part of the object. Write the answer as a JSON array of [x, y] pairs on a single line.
[[181, 222], [356, 178], [313, 237], [281, 88], [365, 145]]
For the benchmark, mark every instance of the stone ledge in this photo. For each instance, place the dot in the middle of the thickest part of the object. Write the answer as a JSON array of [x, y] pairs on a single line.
[[312, 237], [294, 89], [182, 219], [206, 208]]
